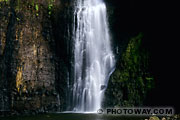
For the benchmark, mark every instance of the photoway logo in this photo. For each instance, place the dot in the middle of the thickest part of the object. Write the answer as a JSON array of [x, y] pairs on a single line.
[[137, 111]]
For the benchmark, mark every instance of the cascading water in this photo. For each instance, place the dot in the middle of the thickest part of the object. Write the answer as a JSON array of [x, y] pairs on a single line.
[[93, 57]]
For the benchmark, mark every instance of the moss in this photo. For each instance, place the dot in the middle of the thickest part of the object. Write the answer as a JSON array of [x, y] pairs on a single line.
[[18, 6], [4, 0], [150, 82], [154, 118], [50, 6], [131, 77], [32, 2], [37, 7]]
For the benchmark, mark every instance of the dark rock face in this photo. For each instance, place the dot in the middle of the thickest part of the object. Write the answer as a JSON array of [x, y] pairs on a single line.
[[4, 20], [28, 57]]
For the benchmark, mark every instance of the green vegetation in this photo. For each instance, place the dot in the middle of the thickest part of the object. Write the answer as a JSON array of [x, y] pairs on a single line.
[[18, 6], [37, 7], [4, 0], [32, 2], [131, 80], [50, 6], [18, 19]]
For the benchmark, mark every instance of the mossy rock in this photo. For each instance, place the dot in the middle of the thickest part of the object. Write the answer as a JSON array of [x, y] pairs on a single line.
[[131, 77], [154, 118]]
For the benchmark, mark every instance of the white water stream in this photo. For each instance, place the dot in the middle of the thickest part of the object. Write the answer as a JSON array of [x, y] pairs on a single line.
[[93, 56]]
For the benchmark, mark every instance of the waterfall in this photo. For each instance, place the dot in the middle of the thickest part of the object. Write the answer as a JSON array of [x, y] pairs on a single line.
[[93, 57]]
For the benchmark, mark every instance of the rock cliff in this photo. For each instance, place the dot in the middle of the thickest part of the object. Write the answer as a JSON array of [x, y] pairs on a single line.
[[28, 58]]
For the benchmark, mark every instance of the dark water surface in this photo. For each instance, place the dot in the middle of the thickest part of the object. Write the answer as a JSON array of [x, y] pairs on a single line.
[[71, 116]]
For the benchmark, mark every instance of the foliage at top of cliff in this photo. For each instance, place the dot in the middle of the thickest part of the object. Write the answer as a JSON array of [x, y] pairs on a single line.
[[32, 5], [4, 0]]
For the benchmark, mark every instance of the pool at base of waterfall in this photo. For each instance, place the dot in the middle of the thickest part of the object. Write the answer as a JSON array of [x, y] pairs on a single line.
[[72, 116]]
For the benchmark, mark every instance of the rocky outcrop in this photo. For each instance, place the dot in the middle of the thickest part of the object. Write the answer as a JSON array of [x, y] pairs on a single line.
[[173, 117], [129, 84]]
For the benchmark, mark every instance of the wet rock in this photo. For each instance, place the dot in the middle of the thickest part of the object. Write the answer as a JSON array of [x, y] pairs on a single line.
[[154, 118], [103, 87], [163, 118]]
